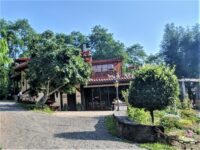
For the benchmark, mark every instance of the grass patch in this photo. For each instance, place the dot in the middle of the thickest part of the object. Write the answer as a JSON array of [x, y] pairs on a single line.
[[156, 146], [111, 125], [46, 109], [27, 106], [33, 107]]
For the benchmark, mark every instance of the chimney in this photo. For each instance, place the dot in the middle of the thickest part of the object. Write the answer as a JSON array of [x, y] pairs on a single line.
[[84, 47]]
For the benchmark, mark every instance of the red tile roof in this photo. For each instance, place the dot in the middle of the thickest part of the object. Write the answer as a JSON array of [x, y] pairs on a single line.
[[22, 59], [110, 79], [106, 61], [21, 66]]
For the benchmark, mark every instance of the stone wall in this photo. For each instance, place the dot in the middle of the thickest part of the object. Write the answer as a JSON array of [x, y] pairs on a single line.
[[136, 132]]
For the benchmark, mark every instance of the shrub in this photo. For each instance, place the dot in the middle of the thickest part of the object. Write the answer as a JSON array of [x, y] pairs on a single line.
[[125, 94], [138, 115], [184, 124], [188, 113], [111, 125], [169, 121], [186, 103], [157, 146], [154, 88]]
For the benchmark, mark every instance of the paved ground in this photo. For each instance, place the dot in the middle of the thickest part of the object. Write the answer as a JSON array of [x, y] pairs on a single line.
[[21, 129]]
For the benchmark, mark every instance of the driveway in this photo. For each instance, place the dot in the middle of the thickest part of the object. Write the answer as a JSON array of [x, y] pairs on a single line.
[[20, 129]]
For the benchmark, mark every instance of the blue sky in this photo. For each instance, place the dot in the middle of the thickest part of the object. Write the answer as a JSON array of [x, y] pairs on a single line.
[[130, 21]]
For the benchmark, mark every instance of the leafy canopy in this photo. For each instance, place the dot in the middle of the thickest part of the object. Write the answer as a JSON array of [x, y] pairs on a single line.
[[136, 55], [154, 88], [54, 63], [18, 35], [4, 61], [104, 46], [180, 48]]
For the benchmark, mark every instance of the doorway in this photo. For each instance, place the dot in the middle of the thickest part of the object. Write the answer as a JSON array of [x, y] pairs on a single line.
[[71, 101]]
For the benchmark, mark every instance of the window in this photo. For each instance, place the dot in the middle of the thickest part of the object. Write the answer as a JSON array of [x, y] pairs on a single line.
[[102, 68]]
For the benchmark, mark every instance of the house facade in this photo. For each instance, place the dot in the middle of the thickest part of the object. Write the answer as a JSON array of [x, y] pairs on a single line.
[[98, 94]]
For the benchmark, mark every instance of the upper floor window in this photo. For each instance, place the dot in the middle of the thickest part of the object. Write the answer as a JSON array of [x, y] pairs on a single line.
[[102, 68]]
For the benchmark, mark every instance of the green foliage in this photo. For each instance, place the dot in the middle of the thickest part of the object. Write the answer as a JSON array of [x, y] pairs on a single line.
[[186, 113], [55, 65], [4, 63], [186, 104], [111, 125], [156, 59], [136, 55], [154, 88], [76, 39], [169, 121], [125, 94], [33, 107], [104, 45], [27, 106], [46, 109], [17, 34], [138, 115], [184, 124], [156, 146], [180, 48]]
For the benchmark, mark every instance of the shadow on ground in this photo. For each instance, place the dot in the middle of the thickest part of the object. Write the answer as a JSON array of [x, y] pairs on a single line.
[[10, 106], [100, 133]]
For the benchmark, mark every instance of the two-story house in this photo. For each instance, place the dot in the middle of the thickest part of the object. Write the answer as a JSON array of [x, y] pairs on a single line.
[[97, 94]]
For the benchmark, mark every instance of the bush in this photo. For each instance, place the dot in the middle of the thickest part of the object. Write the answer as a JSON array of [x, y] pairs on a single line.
[[111, 125], [154, 88], [157, 146], [125, 94], [138, 115], [184, 124], [46, 109], [186, 104], [169, 121], [188, 113]]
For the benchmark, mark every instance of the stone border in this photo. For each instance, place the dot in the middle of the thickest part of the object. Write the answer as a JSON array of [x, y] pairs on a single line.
[[129, 130]]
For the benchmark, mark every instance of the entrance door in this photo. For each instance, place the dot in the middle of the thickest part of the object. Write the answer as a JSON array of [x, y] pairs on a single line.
[[71, 101]]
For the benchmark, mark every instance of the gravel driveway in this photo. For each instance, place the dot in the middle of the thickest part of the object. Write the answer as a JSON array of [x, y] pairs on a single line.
[[21, 129]]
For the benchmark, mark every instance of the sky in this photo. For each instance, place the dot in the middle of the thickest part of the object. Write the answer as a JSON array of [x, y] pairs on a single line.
[[130, 21]]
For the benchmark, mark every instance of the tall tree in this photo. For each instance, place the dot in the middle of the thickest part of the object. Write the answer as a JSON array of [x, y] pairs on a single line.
[[17, 34], [103, 44], [136, 55], [155, 59], [77, 39], [180, 48], [55, 66], [4, 61]]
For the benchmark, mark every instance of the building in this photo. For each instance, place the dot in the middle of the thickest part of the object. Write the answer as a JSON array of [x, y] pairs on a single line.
[[98, 94]]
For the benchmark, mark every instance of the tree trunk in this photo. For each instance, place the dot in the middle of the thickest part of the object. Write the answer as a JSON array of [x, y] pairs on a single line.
[[61, 101], [152, 116], [46, 95]]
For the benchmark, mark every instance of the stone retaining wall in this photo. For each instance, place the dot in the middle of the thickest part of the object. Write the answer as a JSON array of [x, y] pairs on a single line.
[[136, 132]]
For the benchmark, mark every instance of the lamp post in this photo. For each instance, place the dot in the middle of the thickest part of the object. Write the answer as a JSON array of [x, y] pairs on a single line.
[[117, 93]]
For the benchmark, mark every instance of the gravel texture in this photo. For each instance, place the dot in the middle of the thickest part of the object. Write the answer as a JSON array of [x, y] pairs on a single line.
[[21, 129]]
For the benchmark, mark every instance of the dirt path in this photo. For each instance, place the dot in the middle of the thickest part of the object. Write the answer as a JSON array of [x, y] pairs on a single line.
[[21, 129]]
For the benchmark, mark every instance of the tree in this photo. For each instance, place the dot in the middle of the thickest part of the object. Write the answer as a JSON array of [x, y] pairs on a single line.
[[136, 55], [155, 59], [17, 34], [180, 48], [76, 39], [4, 61], [55, 66], [104, 46], [154, 88]]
